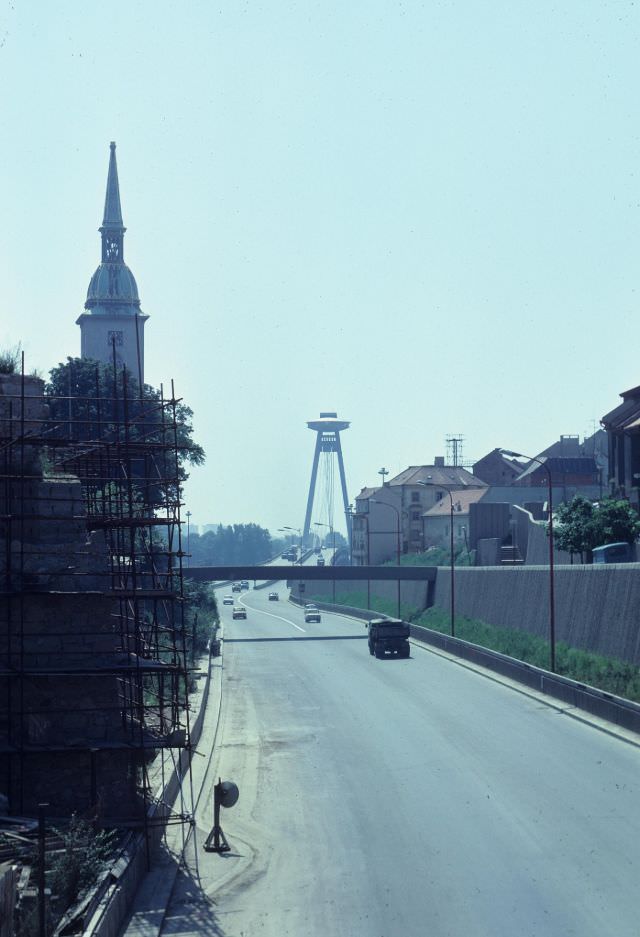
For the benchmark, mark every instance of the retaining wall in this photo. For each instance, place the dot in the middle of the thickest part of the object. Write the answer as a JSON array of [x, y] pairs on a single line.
[[413, 594], [597, 607]]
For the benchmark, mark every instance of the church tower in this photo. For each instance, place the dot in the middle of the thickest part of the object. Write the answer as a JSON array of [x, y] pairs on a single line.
[[113, 321]]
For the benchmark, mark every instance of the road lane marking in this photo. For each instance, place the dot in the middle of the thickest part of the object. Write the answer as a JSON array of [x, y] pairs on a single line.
[[271, 615]]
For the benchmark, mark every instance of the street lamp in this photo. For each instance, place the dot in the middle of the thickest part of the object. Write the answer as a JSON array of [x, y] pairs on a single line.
[[552, 610], [188, 538], [393, 508], [362, 516], [453, 562]]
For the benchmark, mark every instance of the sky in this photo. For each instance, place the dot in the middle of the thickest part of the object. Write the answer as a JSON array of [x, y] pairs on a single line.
[[424, 216]]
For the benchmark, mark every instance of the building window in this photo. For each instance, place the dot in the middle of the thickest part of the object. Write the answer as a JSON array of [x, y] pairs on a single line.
[[115, 338], [415, 515], [415, 496]]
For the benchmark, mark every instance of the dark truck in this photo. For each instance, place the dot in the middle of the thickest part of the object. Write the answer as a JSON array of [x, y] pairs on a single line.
[[388, 636]]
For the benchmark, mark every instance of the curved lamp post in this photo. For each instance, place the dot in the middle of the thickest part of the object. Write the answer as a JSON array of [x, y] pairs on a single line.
[[453, 560], [362, 516], [189, 538], [552, 610], [393, 508]]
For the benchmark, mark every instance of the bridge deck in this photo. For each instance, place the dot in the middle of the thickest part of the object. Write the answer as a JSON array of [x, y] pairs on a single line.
[[313, 573]]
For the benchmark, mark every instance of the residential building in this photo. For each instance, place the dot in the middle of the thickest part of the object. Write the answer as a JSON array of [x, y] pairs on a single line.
[[496, 468], [422, 486], [566, 472], [436, 522], [622, 425], [374, 526], [394, 510], [567, 447]]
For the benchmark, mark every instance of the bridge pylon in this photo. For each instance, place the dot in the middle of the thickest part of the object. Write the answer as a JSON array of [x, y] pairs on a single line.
[[327, 428]]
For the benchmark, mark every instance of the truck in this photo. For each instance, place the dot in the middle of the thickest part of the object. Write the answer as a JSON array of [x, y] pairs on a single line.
[[388, 636]]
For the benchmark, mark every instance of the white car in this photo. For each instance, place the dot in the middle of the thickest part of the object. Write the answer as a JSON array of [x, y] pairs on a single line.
[[227, 600], [311, 614]]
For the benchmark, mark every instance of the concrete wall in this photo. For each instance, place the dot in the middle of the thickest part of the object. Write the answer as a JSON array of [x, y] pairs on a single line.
[[596, 606], [487, 520], [532, 540]]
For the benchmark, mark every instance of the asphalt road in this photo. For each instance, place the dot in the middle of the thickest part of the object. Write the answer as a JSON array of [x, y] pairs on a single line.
[[402, 798]]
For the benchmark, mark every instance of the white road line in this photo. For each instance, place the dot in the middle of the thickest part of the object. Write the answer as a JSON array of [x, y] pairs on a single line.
[[271, 615]]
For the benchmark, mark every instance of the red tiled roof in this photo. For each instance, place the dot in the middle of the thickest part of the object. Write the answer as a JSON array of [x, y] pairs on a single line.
[[447, 476], [461, 502]]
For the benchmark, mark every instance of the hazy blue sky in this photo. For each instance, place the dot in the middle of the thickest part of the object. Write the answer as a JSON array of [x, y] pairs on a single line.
[[423, 215]]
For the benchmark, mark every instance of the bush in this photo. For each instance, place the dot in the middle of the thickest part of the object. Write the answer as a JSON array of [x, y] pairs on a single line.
[[10, 360], [77, 867], [200, 614]]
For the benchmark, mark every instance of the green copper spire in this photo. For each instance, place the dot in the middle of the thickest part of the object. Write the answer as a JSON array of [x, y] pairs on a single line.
[[112, 211]]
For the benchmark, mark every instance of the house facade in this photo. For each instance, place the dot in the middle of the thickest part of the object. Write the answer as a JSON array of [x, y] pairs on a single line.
[[374, 526], [437, 521], [622, 426]]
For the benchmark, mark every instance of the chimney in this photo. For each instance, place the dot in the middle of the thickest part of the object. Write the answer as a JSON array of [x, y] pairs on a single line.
[[438, 461]]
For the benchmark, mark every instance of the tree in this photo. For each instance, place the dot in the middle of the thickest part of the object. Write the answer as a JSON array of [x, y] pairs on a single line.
[[242, 543], [582, 525], [88, 400]]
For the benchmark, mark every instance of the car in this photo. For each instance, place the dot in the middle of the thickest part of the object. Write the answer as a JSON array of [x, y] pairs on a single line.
[[244, 584], [227, 600], [311, 614], [239, 611], [236, 587], [273, 597]]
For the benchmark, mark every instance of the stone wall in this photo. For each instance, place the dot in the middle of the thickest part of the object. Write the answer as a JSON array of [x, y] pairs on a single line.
[[62, 735]]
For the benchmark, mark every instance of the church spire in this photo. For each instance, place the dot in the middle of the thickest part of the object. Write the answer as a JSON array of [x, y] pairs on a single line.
[[112, 229]]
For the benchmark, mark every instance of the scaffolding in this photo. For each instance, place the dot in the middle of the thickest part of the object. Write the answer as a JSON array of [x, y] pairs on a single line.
[[95, 653]]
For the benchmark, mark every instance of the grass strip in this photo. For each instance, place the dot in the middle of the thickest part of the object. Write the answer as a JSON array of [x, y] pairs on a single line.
[[608, 674]]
